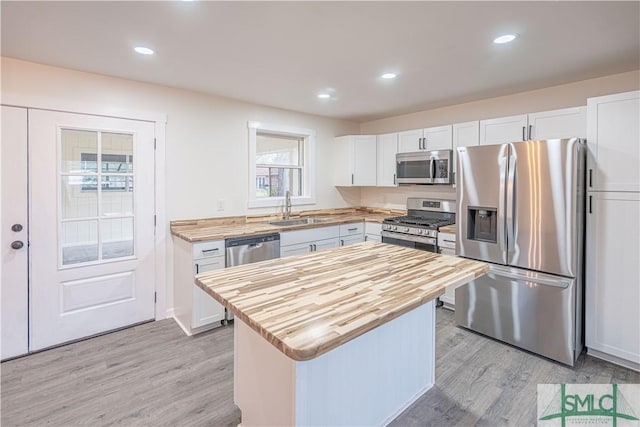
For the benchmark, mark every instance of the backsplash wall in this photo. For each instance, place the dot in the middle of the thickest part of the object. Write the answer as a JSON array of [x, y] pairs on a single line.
[[396, 197]]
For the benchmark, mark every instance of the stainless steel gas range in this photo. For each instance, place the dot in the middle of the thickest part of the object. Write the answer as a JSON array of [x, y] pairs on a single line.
[[419, 228]]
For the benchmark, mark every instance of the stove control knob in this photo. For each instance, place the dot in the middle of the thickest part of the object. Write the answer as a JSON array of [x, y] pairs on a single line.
[[406, 229], [419, 231], [395, 227]]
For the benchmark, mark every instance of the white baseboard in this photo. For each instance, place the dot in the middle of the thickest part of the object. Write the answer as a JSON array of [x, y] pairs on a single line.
[[409, 403], [184, 329], [614, 359]]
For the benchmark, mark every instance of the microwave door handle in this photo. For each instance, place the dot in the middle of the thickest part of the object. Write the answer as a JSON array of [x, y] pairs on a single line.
[[432, 168]]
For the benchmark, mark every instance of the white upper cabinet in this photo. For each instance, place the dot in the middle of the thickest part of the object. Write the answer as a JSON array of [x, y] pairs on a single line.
[[555, 124], [503, 130], [438, 138], [409, 141], [355, 160], [431, 139], [564, 123], [613, 138], [387, 148], [464, 135]]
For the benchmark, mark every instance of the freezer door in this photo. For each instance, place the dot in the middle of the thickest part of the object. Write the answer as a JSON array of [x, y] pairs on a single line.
[[533, 311], [482, 172], [545, 210]]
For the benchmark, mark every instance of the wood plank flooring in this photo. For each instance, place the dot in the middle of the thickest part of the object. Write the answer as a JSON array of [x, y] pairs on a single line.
[[154, 375]]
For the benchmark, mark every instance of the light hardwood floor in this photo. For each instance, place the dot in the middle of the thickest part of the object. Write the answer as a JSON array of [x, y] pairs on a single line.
[[154, 375]]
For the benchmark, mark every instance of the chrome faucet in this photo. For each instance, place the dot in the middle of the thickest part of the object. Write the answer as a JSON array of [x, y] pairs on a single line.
[[287, 205]]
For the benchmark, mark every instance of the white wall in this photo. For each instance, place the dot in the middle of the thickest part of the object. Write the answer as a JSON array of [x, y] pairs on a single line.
[[551, 98], [206, 137]]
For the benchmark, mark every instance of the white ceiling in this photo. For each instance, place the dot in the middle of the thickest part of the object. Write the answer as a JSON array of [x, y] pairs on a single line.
[[282, 54]]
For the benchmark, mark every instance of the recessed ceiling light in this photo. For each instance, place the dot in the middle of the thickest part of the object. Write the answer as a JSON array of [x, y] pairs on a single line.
[[506, 38], [389, 76], [143, 50], [324, 96]]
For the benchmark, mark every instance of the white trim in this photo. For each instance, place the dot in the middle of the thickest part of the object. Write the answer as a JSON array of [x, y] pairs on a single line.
[[309, 169], [37, 102]]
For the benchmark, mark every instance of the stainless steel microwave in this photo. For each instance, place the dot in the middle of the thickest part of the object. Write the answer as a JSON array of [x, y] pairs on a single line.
[[424, 167]]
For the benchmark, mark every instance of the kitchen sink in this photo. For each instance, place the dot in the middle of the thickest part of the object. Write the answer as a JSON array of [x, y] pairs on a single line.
[[297, 221]]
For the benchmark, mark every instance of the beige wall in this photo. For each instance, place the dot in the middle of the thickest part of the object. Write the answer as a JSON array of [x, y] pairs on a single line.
[[206, 137], [551, 98]]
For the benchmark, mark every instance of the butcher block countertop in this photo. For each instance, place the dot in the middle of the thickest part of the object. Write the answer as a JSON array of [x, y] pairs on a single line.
[[197, 230], [306, 305], [453, 229]]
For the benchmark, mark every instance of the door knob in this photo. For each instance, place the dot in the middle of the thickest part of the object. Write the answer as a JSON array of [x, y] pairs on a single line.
[[17, 244], [16, 227]]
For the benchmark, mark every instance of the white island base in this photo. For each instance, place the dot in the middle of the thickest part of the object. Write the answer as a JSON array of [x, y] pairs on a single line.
[[367, 381]]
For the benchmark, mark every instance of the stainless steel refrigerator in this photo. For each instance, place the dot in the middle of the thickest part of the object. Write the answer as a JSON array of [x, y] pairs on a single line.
[[521, 208]]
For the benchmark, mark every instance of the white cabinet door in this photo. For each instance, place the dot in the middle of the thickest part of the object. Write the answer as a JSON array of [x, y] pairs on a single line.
[[464, 135], [206, 310], [613, 138], [15, 290], [350, 240], [321, 245], [297, 249], [503, 130], [438, 138], [354, 161], [364, 160], [564, 123], [613, 275], [373, 238], [387, 148], [410, 141]]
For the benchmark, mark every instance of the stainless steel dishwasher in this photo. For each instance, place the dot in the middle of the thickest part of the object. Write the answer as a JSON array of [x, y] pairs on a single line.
[[246, 250]]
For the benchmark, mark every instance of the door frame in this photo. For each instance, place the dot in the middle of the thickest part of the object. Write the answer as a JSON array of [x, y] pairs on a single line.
[[162, 307]]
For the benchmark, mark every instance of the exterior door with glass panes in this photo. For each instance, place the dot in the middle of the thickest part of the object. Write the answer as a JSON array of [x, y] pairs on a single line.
[[91, 219]]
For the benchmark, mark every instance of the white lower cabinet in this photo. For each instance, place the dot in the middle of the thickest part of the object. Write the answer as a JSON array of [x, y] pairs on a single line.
[[372, 232], [351, 233], [297, 242], [194, 310], [447, 246], [612, 318]]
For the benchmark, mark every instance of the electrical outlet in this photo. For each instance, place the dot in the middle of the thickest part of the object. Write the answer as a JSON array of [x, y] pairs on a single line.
[[220, 204]]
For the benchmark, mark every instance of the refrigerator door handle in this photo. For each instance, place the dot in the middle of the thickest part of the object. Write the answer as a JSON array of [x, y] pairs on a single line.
[[501, 200], [511, 201], [533, 277]]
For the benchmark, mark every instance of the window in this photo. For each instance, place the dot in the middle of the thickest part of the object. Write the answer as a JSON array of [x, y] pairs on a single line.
[[281, 160], [111, 163]]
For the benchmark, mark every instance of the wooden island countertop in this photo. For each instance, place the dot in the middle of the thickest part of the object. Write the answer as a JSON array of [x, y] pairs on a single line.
[[307, 305]]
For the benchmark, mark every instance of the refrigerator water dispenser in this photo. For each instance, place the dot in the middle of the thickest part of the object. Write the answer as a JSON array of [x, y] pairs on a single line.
[[482, 224]]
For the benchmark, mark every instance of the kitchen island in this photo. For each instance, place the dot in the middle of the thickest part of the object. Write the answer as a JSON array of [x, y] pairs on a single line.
[[340, 337]]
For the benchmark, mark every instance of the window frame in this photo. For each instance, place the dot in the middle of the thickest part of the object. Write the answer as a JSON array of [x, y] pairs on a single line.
[[308, 166]]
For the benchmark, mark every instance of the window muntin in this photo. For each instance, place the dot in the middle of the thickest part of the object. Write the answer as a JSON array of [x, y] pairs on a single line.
[[288, 162], [279, 165]]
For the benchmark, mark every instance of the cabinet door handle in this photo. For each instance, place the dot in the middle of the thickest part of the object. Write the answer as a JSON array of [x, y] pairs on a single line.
[[366, 237], [204, 251], [352, 229], [590, 178], [590, 204], [351, 179], [530, 129], [341, 242], [315, 247], [524, 129], [197, 269], [394, 179]]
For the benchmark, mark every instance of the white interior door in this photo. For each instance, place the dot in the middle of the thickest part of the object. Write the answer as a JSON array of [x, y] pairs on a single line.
[[14, 300], [91, 225]]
